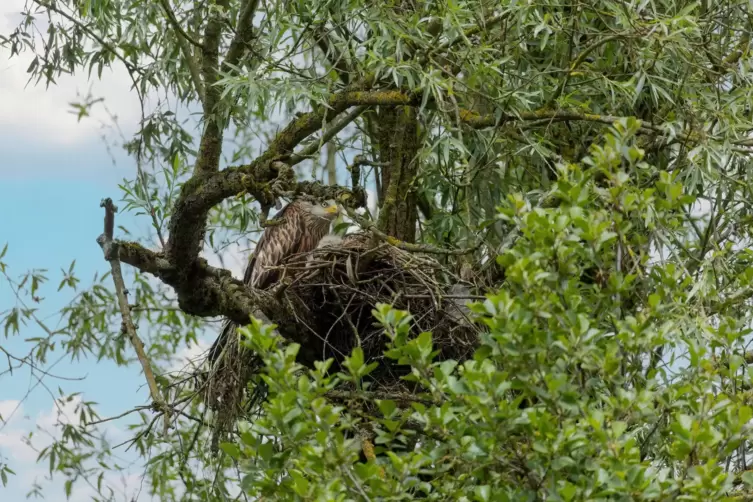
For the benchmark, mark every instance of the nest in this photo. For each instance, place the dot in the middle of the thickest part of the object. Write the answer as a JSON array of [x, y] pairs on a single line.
[[330, 294], [338, 287]]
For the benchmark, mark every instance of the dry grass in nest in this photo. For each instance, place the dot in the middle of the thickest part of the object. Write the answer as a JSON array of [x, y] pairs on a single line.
[[225, 388], [331, 293]]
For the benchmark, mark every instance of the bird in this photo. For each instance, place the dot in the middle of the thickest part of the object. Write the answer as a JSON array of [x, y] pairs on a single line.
[[328, 241], [304, 224]]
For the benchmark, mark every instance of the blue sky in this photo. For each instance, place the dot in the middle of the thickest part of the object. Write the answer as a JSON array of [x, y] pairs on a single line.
[[54, 220], [49, 199], [53, 174]]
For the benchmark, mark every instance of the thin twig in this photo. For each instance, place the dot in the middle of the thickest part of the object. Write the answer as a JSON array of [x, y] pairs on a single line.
[[176, 25], [144, 185], [111, 254], [25, 361], [193, 67], [405, 246], [330, 133], [100, 40], [579, 60], [125, 413]]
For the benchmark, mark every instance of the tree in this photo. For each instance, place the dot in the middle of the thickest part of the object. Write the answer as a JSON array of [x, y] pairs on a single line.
[[585, 163]]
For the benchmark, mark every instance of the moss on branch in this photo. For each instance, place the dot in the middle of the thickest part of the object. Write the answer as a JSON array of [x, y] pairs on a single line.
[[208, 291], [264, 178], [244, 32], [478, 121]]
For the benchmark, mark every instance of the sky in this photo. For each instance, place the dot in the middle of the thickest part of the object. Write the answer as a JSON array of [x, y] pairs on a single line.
[[53, 174]]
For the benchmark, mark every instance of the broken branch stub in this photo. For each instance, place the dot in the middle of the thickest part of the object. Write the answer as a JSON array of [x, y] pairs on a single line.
[[110, 249]]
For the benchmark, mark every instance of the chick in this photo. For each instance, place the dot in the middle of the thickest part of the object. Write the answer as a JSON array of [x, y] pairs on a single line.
[[328, 241]]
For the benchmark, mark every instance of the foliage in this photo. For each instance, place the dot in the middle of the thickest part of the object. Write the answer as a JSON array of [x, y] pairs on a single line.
[[609, 421], [587, 161]]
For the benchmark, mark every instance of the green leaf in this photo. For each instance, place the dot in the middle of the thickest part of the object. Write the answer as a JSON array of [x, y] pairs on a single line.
[[747, 478], [231, 449], [266, 450], [482, 493]]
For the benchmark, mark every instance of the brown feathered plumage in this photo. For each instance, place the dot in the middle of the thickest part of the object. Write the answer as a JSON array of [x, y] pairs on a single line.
[[303, 225]]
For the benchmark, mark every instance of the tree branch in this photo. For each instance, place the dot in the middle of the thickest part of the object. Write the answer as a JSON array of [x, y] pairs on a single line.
[[203, 290], [308, 123], [330, 133], [187, 228], [176, 25], [208, 187], [405, 246], [578, 61], [210, 55], [130, 66], [332, 55], [110, 248], [244, 32], [183, 38], [477, 121]]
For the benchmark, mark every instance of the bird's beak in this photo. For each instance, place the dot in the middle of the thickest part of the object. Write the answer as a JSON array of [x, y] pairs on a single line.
[[333, 209]]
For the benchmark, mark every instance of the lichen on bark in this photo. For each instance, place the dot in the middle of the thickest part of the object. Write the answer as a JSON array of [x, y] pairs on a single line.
[[397, 141]]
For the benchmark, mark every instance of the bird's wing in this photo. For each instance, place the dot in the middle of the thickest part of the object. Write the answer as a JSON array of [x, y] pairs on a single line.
[[277, 243]]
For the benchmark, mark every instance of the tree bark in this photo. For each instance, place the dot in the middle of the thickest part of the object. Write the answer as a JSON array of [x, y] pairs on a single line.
[[397, 142], [332, 163]]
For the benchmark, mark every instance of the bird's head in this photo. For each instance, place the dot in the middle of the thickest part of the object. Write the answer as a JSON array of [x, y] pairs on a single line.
[[328, 209]]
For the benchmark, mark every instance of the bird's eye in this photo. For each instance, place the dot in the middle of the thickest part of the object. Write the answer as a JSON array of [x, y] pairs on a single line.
[[324, 204]]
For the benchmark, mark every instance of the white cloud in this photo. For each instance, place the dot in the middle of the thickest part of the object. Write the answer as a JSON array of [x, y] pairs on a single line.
[[21, 438], [43, 115], [190, 356], [62, 413], [10, 409], [13, 445]]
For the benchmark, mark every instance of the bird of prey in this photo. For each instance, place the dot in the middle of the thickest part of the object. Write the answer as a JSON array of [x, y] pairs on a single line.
[[303, 225]]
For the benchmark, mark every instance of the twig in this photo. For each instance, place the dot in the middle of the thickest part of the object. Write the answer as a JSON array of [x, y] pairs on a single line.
[[125, 413], [578, 61], [449, 297], [406, 246], [244, 31], [330, 133], [142, 178], [404, 398], [100, 40], [176, 25], [109, 247], [193, 67], [25, 361], [360, 160]]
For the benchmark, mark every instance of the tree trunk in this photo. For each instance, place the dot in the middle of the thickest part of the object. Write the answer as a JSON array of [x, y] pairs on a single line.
[[397, 143], [332, 163]]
